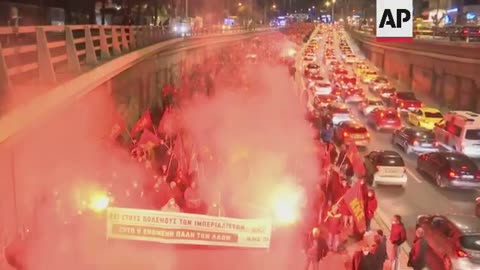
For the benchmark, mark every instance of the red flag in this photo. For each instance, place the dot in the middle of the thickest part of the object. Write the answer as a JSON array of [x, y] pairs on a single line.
[[178, 152], [354, 200], [167, 123], [352, 151], [117, 129], [168, 89], [148, 139], [144, 122], [356, 159]]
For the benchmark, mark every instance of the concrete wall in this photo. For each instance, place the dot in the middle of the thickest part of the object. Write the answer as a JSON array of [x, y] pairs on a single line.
[[45, 133], [448, 72]]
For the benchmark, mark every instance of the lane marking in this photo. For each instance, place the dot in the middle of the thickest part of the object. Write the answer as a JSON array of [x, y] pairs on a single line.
[[414, 176]]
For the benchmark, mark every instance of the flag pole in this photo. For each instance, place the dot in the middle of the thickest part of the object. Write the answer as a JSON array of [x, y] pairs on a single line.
[[170, 163], [130, 136]]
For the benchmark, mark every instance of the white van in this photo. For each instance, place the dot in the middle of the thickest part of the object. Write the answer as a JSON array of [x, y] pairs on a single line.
[[459, 131]]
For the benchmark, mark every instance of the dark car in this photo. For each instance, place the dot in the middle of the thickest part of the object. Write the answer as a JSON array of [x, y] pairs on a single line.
[[312, 68], [450, 169], [351, 131], [455, 239], [384, 118], [406, 101], [385, 167], [463, 32], [387, 94], [415, 140]]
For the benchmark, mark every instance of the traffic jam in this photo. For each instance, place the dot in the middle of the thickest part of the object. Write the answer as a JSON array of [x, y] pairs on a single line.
[[420, 159]]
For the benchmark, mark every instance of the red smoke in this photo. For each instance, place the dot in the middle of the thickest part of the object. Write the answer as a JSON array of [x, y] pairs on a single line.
[[260, 134]]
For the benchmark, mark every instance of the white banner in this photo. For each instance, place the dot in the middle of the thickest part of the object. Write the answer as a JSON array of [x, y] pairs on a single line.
[[181, 228]]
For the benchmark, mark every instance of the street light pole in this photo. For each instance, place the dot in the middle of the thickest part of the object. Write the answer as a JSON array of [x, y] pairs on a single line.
[[186, 8], [333, 12]]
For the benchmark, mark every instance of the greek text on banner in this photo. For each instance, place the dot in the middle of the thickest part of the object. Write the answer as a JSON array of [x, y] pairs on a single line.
[[181, 228]]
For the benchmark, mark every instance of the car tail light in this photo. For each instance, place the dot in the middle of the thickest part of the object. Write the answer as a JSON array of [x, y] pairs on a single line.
[[421, 104], [461, 253], [415, 143], [368, 135], [398, 114], [465, 31], [452, 174], [402, 104], [345, 134], [435, 143], [382, 115]]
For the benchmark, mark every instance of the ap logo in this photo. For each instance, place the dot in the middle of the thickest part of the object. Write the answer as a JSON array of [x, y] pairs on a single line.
[[394, 20]]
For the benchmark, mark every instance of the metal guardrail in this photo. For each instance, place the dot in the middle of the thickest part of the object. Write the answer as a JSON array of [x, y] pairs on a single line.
[[42, 50], [459, 51], [429, 38]]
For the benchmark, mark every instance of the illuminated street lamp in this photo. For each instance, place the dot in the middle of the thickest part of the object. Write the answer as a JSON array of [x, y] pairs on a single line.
[[327, 4], [239, 4], [274, 6]]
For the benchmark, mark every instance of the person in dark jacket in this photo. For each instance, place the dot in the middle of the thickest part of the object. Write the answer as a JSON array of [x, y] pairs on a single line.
[[327, 133], [363, 259], [417, 256], [398, 236], [316, 249], [380, 252]]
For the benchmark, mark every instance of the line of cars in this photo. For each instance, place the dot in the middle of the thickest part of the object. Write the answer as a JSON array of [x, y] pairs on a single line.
[[447, 142], [454, 238]]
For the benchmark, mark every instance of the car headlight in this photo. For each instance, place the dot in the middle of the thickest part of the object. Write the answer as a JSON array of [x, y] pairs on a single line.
[[183, 29], [175, 29]]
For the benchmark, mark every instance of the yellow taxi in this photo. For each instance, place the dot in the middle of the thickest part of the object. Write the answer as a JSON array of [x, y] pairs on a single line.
[[425, 117], [360, 69], [369, 75]]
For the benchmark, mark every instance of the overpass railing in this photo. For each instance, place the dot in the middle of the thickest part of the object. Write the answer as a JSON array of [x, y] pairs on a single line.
[[46, 52], [458, 51]]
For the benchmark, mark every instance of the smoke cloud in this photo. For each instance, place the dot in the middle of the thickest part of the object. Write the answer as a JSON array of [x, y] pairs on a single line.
[[259, 133]]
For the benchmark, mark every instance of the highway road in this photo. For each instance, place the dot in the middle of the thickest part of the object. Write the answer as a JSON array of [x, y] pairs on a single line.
[[421, 195]]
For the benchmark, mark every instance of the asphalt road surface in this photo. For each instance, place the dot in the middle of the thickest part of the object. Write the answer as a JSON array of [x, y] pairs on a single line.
[[421, 195]]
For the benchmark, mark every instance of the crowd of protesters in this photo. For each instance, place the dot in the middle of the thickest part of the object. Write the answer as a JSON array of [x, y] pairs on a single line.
[[329, 225], [339, 210], [164, 149]]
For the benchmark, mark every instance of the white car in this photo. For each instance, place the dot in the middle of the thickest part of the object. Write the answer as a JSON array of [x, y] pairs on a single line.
[[369, 105], [339, 112], [385, 168], [321, 88], [350, 59]]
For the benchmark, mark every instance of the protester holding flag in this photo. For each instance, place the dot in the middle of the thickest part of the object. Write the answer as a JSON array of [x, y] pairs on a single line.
[[193, 201], [171, 206], [371, 205], [343, 207], [334, 224], [354, 199]]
